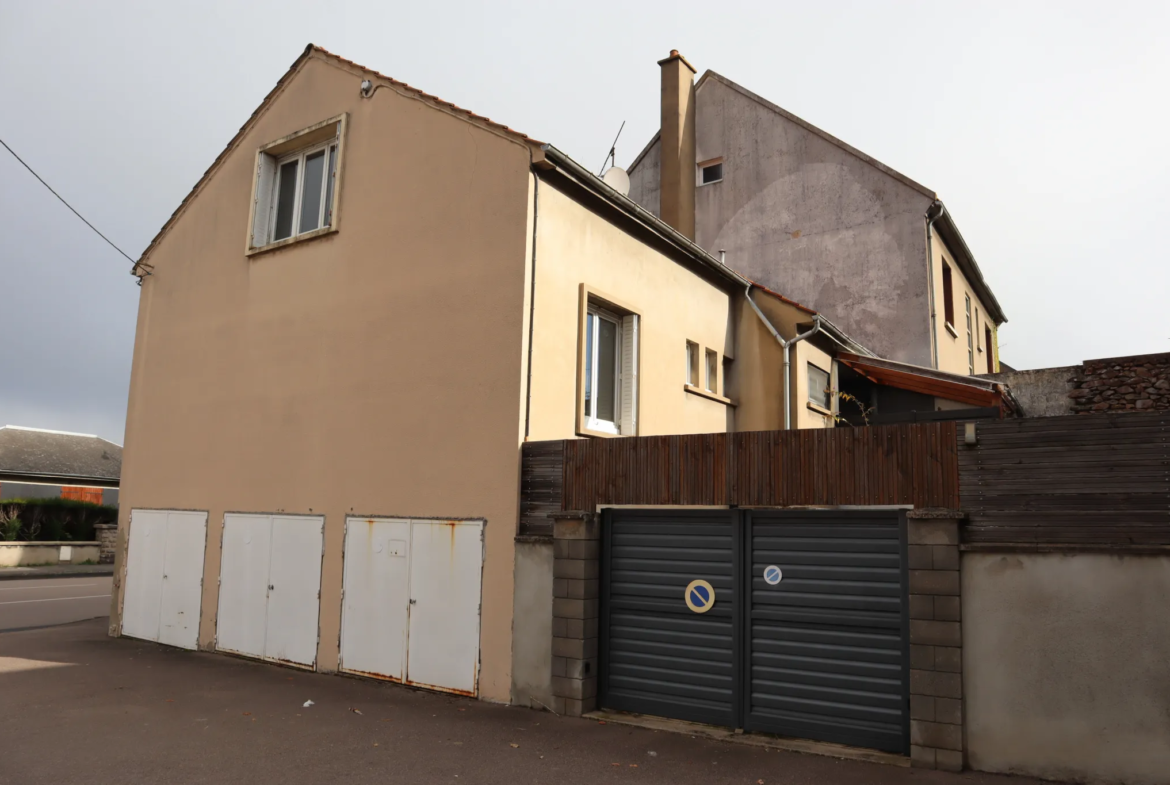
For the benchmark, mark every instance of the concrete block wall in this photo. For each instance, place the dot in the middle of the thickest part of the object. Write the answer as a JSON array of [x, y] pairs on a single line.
[[936, 640], [576, 600]]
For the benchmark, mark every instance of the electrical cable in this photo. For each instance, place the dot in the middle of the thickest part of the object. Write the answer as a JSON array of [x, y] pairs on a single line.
[[54, 193]]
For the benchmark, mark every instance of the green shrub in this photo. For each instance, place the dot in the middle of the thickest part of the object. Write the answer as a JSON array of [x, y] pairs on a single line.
[[33, 520]]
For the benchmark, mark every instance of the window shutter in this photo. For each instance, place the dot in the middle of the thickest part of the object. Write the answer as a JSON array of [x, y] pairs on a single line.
[[629, 415], [262, 215]]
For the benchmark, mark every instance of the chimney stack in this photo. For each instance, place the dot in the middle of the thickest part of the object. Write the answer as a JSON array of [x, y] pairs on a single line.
[[678, 144]]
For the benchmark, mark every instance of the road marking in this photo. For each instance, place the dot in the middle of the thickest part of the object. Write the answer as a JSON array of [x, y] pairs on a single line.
[[55, 599], [50, 586]]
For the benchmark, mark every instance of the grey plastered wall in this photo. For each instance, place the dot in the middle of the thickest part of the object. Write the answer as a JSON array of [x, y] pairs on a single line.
[[1042, 392], [1066, 665], [532, 623]]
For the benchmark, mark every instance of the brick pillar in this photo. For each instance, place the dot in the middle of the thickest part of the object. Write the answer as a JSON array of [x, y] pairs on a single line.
[[936, 640], [107, 535], [576, 568]]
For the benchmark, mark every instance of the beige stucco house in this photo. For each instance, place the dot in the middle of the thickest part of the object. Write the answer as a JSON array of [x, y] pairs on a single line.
[[347, 329]]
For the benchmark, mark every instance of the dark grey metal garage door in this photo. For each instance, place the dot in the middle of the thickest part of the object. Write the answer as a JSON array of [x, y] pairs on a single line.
[[820, 654], [827, 644], [659, 656]]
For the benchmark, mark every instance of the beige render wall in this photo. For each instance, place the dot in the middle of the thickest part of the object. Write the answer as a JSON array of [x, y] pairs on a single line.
[[376, 370], [803, 416], [575, 246], [1065, 670], [952, 351]]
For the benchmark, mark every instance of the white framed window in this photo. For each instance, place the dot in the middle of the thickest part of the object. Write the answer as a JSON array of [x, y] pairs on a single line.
[[711, 171], [712, 371], [819, 387], [296, 190], [302, 192], [692, 363], [611, 371]]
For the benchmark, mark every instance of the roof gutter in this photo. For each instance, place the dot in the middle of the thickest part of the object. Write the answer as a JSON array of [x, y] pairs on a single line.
[[592, 182], [37, 478]]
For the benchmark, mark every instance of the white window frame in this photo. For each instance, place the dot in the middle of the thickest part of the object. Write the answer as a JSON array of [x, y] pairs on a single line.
[[265, 184], [592, 421], [300, 157], [825, 399], [702, 165]]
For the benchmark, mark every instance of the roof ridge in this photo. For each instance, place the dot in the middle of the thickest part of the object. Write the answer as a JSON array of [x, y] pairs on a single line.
[[59, 433], [828, 137]]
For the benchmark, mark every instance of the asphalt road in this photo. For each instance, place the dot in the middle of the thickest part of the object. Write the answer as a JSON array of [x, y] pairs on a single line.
[[45, 601], [79, 706]]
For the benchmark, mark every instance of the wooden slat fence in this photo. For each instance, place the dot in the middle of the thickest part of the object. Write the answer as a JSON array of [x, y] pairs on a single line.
[[913, 464], [1101, 479]]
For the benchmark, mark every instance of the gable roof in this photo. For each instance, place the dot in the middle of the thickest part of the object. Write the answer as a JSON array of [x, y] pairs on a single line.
[[310, 51], [35, 454]]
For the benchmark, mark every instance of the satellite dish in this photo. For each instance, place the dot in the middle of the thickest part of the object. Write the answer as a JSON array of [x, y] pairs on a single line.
[[617, 179]]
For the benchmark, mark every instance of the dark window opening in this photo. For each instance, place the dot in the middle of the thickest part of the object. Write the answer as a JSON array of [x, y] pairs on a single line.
[[990, 353], [712, 173], [948, 295]]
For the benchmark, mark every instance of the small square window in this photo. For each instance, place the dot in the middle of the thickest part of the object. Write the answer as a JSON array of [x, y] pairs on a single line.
[[819, 392], [710, 173], [712, 371]]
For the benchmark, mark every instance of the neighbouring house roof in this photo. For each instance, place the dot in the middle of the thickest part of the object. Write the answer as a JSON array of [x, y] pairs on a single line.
[[946, 226], [69, 458], [971, 390], [310, 51]]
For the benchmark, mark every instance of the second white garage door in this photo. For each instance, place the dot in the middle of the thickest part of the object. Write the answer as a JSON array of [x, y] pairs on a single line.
[[270, 587], [411, 607]]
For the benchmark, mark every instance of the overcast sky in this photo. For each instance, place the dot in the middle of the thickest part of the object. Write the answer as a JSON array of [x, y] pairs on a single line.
[[1042, 125]]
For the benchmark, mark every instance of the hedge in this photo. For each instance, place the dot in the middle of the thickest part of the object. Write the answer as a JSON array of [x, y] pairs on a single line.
[[31, 520]]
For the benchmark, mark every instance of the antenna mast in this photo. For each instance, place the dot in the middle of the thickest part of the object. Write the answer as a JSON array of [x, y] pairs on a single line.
[[612, 150]]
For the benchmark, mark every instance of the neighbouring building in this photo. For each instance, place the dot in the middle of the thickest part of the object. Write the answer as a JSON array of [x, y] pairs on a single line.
[[36, 464], [803, 212], [347, 330]]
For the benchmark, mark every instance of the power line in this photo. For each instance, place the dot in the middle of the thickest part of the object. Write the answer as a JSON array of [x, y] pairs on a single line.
[[54, 193]]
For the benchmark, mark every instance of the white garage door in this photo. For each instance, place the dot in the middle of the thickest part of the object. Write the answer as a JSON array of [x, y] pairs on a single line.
[[376, 597], [164, 576], [270, 586], [411, 609]]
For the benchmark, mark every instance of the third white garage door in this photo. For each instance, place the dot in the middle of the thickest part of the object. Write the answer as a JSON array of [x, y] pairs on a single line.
[[410, 609], [270, 587]]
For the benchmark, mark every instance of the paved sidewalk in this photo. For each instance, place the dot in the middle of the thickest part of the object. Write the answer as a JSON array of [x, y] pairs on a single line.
[[56, 571], [135, 712]]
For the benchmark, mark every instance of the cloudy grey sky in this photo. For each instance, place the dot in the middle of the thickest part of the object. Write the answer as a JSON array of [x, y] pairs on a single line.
[[1042, 126]]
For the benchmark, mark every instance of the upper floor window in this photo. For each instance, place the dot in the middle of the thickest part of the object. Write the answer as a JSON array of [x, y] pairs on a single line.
[[711, 171], [990, 350], [610, 375], [692, 364], [296, 187], [948, 295], [712, 371]]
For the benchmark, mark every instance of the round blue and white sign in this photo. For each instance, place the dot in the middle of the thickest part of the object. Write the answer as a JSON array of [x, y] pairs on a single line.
[[772, 574], [700, 596]]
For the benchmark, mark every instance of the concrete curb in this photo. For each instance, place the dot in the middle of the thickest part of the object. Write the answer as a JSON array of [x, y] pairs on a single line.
[[65, 571]]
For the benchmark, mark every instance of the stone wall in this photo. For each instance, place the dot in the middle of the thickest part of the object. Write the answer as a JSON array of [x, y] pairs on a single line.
[[107, 537], [1116, 384]]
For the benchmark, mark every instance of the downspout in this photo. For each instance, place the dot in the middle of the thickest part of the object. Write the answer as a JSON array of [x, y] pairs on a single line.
[[942, 208], [786, 346]]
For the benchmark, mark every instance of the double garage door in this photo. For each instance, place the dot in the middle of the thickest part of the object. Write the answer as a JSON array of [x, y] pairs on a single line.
[[787, 622], [410, 601]]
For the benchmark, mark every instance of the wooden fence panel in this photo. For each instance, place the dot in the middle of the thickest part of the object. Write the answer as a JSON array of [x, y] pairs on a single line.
[[1101, 479]]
